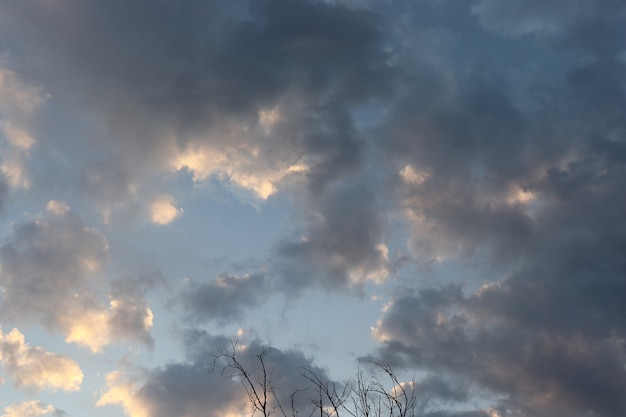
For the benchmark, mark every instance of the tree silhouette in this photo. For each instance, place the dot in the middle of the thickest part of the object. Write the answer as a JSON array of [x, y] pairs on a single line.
[[365, 395]]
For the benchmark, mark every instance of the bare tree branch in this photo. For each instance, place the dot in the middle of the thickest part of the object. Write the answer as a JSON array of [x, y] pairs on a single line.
[[366, 396]]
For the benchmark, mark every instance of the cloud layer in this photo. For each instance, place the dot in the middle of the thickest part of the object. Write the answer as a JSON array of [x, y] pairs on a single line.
[[462, 161]]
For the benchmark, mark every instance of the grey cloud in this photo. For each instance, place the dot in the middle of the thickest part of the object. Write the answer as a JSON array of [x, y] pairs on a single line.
[[335, 145], [507, 358], [434, 393], [521, 17], [481, 136], [526, 164], [224, 299], [4, 192], [287, 367], [45, 263], [184, 388], [469, 148], [460, 130], [431, 319], [138, 285], [341, 245], [512, 145], [459, 414], [131, 320], [187, 388], [440, 388], [555, 325], [575, 275], [52, 274], [328, 44], [219, 65], [458, 222], [130, 315]]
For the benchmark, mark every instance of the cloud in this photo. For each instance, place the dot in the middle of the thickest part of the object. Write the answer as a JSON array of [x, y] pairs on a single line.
[[453, 178], [51, 275], [34, 368], [58, 208], [187, 388], [490, 133], [554, 347], [266, 111], [47, 264], [263, 102], [243, 166], [342, 245], [4, 191], [522, 17], [469, 142], [121, 391], [183, 389], [19, 103], [251, 110], [164, 210], [508, 172], [28, 409], [224, 299], [124, 318]]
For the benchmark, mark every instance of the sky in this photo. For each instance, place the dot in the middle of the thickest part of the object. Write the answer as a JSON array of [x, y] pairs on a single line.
[[434, 185]]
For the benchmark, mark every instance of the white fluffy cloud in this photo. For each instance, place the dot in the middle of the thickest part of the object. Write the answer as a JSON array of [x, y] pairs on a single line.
[[34, 368], [247, 165], [28, 409], [163, 209], [122, 391]]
